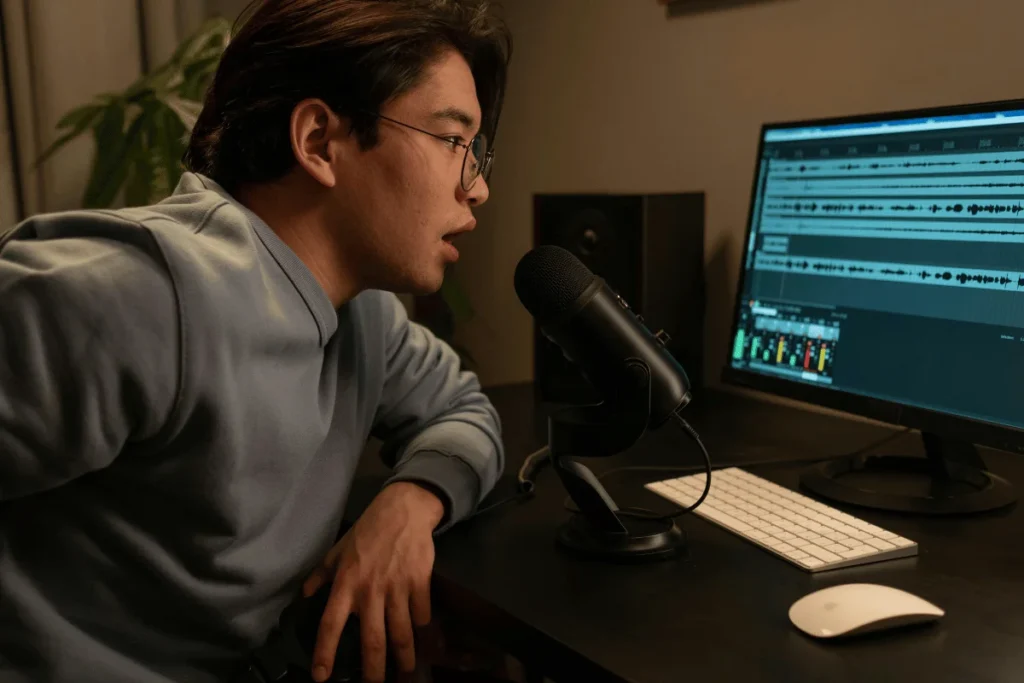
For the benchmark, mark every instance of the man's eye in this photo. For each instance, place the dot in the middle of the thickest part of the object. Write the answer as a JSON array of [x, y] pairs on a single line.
[[454, 141]]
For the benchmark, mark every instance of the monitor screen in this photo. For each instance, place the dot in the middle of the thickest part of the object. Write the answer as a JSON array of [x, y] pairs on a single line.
[[885, 259]]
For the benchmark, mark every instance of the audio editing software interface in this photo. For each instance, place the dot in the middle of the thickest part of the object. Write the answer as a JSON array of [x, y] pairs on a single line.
[[886, 259]]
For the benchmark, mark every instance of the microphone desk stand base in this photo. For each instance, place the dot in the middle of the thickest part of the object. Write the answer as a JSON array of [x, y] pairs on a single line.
[[600, 530]]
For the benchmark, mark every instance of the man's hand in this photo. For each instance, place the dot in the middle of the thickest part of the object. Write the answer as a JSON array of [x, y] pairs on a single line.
[[381, 570]]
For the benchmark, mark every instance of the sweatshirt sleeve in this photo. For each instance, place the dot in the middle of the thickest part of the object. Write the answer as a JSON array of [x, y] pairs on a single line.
[[437, 426], [88, 350]]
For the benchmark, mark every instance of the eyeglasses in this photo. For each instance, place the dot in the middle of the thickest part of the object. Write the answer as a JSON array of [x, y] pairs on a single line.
[[476, 162]]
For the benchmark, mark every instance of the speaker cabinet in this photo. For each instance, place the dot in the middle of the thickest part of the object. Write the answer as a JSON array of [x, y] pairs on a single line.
[[650, 249]]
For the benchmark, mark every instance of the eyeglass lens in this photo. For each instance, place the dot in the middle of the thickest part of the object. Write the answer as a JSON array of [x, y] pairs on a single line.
[[475, 160]]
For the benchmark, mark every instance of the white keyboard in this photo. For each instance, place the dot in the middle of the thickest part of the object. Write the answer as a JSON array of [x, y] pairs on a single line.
[[799, 529]]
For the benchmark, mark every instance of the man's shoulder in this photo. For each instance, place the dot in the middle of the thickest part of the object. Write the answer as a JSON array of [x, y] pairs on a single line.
[[95, 273], [79, 247], [176, 219], [195, 229]]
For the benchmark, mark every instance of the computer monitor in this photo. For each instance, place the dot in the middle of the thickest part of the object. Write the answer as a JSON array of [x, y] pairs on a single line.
[[883, 275]]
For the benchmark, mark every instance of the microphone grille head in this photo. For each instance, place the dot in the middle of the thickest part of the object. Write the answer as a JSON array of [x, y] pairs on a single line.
[[549, 280]]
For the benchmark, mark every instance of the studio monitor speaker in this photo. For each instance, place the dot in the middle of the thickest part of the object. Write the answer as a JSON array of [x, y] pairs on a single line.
[[650, 249]]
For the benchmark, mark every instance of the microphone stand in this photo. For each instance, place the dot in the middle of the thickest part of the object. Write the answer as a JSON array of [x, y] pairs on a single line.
[[600, 529]]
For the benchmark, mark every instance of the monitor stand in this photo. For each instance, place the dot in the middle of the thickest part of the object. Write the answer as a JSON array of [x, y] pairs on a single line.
[[950, 480]]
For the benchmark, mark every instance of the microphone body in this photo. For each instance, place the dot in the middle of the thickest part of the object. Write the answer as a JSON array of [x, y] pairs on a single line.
[[598, 332]]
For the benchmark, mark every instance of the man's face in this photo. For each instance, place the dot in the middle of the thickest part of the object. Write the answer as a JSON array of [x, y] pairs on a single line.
[[400, 203]]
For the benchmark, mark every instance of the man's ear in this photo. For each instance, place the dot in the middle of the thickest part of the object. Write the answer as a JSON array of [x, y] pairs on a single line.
[[315, 131]]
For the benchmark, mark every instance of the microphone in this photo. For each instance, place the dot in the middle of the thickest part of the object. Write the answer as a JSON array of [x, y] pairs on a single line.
[[597, 330]]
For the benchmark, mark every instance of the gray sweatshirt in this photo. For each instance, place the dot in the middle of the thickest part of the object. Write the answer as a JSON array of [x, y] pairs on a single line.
[[181, 413]]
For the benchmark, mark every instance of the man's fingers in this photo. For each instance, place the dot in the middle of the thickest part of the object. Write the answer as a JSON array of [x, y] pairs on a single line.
[[373, 637], [312, 584], [323, 573], [419, 601], [335, 616], [400, 633]]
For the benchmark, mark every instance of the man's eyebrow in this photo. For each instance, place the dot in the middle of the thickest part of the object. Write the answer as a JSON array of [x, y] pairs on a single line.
[[454, 114]]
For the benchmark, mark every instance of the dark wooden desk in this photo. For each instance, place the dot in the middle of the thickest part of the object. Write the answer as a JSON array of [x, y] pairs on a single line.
[[720, 612]]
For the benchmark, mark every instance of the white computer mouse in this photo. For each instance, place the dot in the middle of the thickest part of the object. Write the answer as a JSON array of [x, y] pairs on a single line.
[[855, 608]]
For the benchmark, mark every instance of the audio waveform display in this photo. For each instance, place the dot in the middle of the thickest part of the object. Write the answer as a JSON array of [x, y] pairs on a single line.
[[983, 189], [910, 164], [945, 231], [975, 197], [804, 168], [933, 185], [892, 272], [888, 209]]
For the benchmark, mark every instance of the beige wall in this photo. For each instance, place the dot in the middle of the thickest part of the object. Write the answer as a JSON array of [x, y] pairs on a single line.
[[610, 95]]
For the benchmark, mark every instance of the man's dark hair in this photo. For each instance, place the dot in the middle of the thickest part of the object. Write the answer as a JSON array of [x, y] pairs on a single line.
[[355, 55]]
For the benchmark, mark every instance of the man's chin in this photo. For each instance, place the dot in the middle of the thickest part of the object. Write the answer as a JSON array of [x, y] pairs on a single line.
[[425, 286]]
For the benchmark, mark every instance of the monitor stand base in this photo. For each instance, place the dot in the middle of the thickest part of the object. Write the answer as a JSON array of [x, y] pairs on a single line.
[[950, 480]]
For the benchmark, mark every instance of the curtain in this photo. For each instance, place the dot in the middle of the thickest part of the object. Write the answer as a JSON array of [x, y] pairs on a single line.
[[57, 54]]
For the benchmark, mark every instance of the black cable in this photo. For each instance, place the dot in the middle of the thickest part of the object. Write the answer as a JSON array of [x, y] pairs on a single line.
[[524, 480], [532, 462], [756, 463], [644, 513], [503, 501]]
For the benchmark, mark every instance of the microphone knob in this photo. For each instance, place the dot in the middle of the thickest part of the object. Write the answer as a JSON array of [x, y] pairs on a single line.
[[662, 336]]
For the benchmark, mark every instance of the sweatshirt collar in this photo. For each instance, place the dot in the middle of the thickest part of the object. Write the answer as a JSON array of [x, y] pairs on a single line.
[[316, 299]]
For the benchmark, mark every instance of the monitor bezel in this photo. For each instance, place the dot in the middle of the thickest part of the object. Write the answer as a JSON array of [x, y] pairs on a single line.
[[943, 424]]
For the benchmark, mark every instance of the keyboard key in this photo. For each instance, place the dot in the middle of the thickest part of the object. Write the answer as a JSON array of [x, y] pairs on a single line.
[[821, 553], [858, 552], [731, 522]]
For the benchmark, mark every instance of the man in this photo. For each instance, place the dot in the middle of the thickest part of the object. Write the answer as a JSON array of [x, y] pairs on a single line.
[[186, 388]]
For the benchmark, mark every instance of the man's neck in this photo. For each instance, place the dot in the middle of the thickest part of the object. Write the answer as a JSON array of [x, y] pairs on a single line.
[[298, 222]]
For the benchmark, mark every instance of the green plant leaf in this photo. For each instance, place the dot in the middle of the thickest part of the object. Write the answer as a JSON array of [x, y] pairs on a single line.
[[186, 110], [168, 150], [109, 168], [213, 34], [139, 187], [78, 119], [152, 82], [197, 78]]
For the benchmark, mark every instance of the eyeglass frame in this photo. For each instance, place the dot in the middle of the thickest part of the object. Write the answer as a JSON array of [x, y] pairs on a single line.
[[484, 166]]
